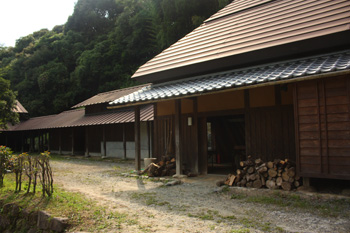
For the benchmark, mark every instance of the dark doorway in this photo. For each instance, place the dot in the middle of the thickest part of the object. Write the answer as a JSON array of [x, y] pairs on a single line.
[[226, 143]]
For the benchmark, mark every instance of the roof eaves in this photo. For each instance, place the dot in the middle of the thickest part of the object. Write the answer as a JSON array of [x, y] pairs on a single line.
[[249, 76]]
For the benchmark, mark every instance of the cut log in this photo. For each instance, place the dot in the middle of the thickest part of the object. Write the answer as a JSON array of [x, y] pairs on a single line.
[[285, 176], [272, 172], [279, 181], [263, 180], [291, 172], [291, 180], [246, 163], [286, 186], [258, 162], [269, 165], [231, 180], [296, 183], [243, 182], [249, 184], [271, 184], [257, 184], [251, 170]]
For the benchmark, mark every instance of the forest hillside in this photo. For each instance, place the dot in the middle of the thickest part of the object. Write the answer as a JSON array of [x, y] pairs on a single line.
[[98, 49]]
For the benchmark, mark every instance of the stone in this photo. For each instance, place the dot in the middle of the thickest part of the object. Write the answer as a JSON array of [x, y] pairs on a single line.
[[33, 230], [4, 222], [172, 183], [11, 209], [179, 176], [33, 218], [43, 220], [58, 224]]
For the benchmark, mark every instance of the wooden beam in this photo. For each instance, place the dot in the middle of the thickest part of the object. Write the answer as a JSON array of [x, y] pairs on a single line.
[[177, 137], [149, 138], [247, 122], [48, 140], [87, 142], [195, 126], [155, 132], [104, 141], [124, 140], [73, 141], [137, 139], [60, 142]]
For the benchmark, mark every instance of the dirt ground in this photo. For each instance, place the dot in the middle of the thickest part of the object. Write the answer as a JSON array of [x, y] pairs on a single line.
[[193, 206]]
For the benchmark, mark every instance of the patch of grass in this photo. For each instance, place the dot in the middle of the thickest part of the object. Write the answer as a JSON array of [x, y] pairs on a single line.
[[149, 199], [329, 207], [238, 196], [83, 213], [242, 230]]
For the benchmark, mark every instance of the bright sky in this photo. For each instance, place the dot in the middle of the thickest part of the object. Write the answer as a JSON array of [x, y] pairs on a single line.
[[20, 18]]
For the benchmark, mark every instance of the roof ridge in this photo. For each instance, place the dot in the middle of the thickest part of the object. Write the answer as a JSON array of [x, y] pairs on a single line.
[[122, 89]]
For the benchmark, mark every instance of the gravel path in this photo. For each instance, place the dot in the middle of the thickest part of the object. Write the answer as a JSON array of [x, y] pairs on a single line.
[[190, 207]]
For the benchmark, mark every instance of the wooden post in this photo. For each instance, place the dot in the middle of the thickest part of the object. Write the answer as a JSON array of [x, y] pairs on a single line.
[[48, 140], [177, 137], [137, 139], [155, 132], [203, 146], [124, 140], [87, 141], [22, 142], [247, 122], [195, 135], [73, 141], [60, 142], [104, 141], [149, 138]]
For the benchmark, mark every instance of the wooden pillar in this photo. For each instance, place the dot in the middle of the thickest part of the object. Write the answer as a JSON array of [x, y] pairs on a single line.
[[247, 122], [22, 142], [60, 142], [124, 140], [195, 126], [104, 141], [86, 141], [137, 139], [149, 138], [48, 140], [155, 132], [31, 147], [73, 141], [203, 146], [177, 137]]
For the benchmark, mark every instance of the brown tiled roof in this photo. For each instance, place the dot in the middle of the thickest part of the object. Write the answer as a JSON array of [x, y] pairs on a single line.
[[19, 108], [106, 97], [77, 117], [246, 25]]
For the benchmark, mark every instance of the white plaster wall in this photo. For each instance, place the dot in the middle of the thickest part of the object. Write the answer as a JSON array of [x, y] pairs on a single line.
[[115, 148]]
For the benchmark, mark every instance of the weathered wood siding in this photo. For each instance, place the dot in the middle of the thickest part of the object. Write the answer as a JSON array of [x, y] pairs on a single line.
[[270, 133], [164, 136], [322, 109]]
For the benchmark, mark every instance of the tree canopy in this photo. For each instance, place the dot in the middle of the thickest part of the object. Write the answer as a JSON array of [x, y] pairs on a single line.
[[98, 49], [7, 104]]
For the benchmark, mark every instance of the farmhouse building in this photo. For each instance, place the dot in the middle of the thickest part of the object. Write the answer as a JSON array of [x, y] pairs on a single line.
[[89, 128], [268, 78]]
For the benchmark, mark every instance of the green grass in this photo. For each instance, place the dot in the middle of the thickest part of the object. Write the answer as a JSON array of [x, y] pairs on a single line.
[[329, 207], [83, 213]]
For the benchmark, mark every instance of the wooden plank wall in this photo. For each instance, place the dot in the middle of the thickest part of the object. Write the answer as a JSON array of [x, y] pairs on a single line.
[[164, 136], [270, 134], [322, 109]]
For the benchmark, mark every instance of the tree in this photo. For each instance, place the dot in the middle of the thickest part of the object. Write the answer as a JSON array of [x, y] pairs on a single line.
[[7, 104]]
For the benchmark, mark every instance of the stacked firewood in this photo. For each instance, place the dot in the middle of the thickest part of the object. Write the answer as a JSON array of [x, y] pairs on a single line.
[[277, 174], [166, 167]]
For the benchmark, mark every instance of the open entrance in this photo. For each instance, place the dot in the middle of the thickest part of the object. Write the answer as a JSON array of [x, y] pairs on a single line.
[[226, 143]]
